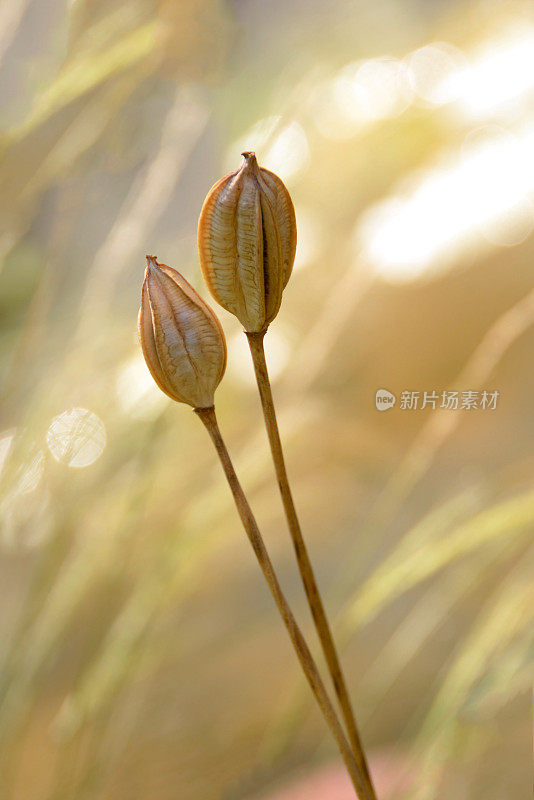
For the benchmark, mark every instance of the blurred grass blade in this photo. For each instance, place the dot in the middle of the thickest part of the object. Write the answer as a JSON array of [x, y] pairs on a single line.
[[508, 610], [87, 71], [403, 570]]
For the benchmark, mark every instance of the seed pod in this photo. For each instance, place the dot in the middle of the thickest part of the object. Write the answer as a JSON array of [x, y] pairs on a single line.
[[182, 340], [247, 237]]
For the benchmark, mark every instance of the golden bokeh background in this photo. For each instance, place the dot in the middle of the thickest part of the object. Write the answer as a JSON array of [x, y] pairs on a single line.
[[141, 655]]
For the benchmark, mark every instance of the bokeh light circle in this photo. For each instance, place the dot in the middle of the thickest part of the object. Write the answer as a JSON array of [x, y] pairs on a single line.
[[76, 437], [436, 71]]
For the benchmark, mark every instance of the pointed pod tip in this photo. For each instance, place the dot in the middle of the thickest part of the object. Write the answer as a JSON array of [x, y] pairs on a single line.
[[250, 160], [152, 261]]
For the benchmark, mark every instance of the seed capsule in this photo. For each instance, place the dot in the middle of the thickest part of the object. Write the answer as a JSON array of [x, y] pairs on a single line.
[[182, 340], [247, 237]]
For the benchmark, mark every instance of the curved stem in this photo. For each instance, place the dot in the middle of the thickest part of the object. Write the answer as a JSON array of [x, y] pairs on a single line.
[[207, 415], [313, 595]]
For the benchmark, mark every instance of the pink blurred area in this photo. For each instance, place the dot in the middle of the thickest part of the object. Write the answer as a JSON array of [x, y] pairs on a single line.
[[391, 775]]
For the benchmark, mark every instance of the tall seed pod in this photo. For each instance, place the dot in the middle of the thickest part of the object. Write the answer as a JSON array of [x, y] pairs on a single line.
[[181, 338], [247, 237]]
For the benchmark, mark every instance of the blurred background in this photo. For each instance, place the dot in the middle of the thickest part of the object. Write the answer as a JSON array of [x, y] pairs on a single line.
[[140, 652]]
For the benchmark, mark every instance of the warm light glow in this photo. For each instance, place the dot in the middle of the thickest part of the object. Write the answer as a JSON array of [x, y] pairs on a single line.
[[309, 239], [76, 437], [496, 77], [375, 89], [485, 191], [501, 73], [435, 72], [282, 149], [289, 153], [28, 474], [277, 351], [257, 138], [6, 441], [138, 395], [328, 115], [360, 94]]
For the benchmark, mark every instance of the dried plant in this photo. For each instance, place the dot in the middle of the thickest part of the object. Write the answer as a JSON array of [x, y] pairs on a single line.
[[182, 340], [107, 132], [185, 351], [247, 239]]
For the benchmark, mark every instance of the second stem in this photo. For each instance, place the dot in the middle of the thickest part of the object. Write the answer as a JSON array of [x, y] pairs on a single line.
[[313, 595]]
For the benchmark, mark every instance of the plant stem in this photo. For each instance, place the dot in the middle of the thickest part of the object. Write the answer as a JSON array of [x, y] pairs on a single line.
[[313, 595], [207, 415]]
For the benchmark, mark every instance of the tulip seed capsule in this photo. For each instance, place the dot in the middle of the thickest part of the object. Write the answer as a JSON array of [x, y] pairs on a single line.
[[247, 238], [181, 338]]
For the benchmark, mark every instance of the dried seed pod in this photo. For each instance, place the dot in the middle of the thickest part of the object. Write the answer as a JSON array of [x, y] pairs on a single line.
[[182, 340], [247, 237]]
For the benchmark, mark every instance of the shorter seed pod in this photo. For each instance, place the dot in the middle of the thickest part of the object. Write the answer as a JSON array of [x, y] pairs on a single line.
[[247, 237], [181, 338]]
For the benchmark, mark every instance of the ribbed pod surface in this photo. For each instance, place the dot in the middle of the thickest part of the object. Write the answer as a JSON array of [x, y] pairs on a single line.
[[246, 240], [182, 340]]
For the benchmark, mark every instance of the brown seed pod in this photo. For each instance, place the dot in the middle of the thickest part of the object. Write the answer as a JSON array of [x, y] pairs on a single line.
[[181, 338], [247, 237]]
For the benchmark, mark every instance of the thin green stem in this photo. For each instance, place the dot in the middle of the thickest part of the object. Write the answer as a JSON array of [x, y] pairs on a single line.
[[313, 595], [207, 415]]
